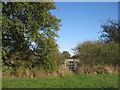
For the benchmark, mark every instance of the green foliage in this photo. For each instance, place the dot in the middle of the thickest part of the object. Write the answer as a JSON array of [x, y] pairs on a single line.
[[111, 31], [59, 59], [75, 57], [28, 34], [94, 53], [4, 57], [66, 54], [103, 51]]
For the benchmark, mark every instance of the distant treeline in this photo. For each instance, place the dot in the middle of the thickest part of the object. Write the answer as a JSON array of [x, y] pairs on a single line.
[[105, 50]]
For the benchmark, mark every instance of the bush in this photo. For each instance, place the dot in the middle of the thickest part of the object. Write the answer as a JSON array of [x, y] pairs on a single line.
[[95, 53]]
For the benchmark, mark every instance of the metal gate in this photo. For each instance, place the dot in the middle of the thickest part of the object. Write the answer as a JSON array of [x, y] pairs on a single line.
[[71, 65]]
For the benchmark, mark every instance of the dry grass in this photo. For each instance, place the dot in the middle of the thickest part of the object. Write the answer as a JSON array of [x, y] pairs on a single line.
[[98, 69], [37, 73]]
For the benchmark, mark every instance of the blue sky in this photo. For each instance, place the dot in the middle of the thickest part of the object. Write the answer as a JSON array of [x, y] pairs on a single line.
[[81, 21]]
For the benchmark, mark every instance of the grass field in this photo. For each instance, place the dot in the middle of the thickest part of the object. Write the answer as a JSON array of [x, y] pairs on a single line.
[[71, 81]]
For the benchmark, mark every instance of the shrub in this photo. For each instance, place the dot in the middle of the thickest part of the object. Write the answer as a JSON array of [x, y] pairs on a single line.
[[95, 53]]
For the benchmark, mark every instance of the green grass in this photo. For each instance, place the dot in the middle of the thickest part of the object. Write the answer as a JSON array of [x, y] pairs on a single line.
[[71, 81]]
